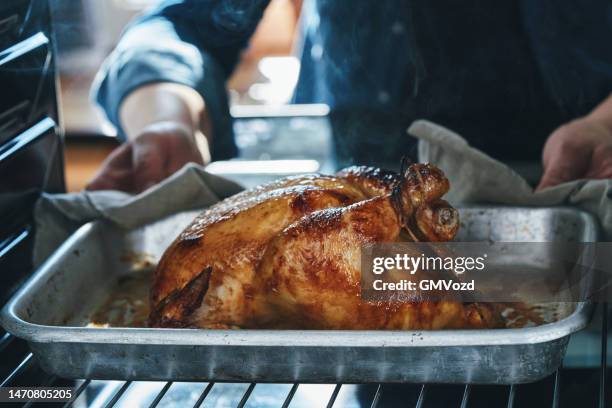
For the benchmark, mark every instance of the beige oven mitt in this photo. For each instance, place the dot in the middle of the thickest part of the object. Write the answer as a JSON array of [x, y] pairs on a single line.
[[478, 178]]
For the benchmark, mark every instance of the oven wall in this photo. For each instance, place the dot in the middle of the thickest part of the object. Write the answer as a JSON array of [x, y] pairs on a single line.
[[31, 145]]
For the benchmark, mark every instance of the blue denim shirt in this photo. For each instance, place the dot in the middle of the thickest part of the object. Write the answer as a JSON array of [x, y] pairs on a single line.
[[498, 72]]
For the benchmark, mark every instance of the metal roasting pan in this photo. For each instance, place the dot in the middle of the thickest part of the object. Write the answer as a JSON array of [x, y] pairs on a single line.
[[51, 310]]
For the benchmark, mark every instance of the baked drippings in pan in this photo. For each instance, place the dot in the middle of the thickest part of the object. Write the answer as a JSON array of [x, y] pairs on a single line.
[[127, 304]]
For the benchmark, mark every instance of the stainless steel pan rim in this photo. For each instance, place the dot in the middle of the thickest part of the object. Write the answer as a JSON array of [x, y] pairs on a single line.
[[294, 338]]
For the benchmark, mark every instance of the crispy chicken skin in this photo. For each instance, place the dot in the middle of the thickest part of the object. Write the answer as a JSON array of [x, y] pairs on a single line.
[[287, 255]]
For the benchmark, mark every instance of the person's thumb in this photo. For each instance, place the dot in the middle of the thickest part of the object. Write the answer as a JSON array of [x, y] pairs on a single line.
[[562, 166], [115, 173], [148, 158]]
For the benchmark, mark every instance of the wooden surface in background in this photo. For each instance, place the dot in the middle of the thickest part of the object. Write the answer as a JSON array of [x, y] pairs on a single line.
[[83, 158]]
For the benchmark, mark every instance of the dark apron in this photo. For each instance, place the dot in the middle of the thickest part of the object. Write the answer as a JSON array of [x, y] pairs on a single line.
[[491, 71]]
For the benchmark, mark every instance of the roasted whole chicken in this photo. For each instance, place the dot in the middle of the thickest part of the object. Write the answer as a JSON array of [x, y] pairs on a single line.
[[287, 255]]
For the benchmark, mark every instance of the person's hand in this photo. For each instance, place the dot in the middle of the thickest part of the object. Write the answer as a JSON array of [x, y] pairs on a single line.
[[157, 152], [581, 149]]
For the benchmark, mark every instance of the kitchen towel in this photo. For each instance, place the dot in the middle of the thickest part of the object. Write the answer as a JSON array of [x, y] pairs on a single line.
[[478, 178], [474, 176], [59, 215]]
